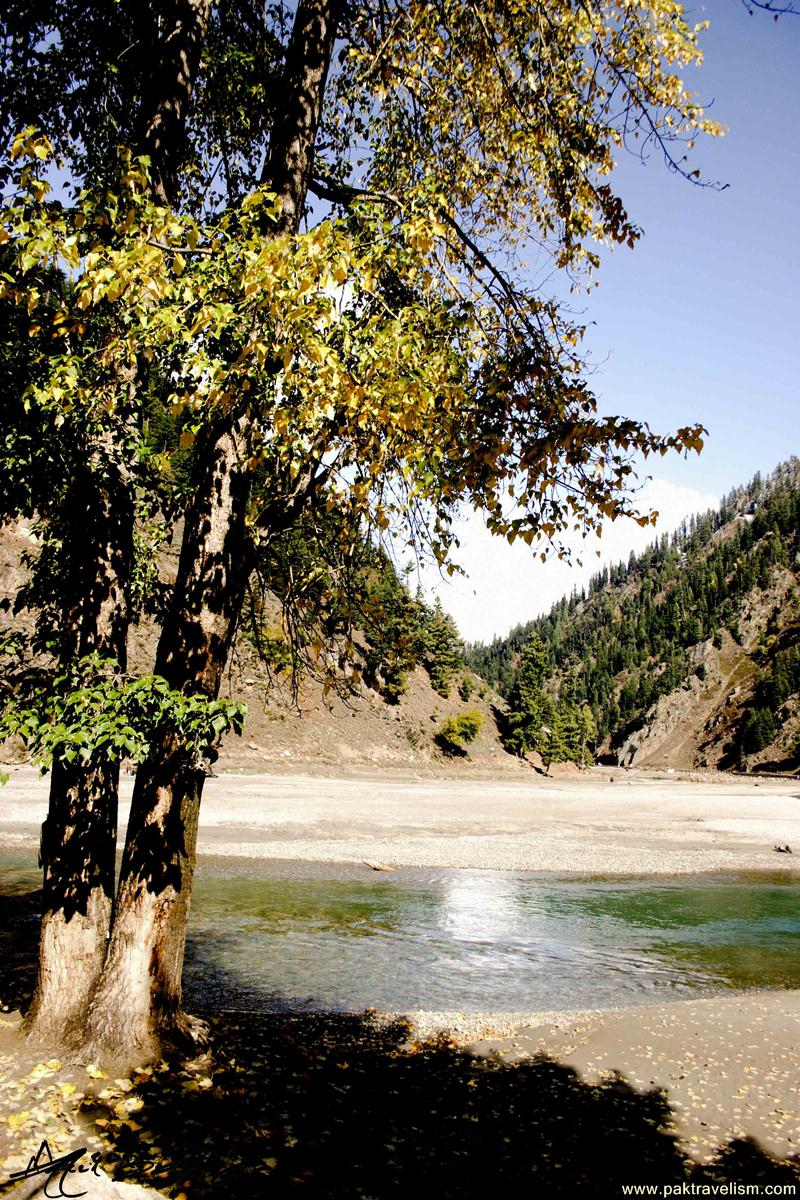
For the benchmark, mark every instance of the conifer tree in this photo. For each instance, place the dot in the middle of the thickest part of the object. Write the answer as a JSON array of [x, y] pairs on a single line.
[[444, 653], [529, 709]]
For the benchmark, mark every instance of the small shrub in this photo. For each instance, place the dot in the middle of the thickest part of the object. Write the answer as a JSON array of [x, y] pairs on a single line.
[[456, 732], [466, 687]]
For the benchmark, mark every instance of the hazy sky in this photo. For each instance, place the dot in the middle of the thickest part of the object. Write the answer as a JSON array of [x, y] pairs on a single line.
[[700, 322]]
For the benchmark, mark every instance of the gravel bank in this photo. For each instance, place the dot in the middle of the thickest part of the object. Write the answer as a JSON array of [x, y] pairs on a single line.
[[728, 1066], [634, 825]]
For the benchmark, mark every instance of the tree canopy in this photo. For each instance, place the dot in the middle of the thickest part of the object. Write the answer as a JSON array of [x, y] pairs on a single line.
[[398, 341]]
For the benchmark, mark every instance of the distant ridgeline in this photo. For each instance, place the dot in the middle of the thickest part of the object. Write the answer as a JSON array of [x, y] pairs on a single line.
[[688, 656]]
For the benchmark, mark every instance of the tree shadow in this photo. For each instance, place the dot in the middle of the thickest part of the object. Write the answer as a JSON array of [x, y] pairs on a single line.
[[500, 716], [339, 1107], [20, 918]]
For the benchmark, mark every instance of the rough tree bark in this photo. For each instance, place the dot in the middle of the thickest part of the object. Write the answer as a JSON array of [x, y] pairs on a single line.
[[136, 1011], [177, 41], [79, 835], [78, 846]]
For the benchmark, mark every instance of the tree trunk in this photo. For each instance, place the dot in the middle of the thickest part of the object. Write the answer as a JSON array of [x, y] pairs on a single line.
[[136, 1012], [78, 845], [174, 34], [136, 1007], [77, 854]]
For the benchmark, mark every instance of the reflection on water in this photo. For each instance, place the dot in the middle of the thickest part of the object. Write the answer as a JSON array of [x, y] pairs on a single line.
[[483, 940], [270, 935], [479, 906]]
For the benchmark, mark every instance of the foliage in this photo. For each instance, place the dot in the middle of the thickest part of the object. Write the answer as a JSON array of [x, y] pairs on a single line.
[[519, 396], [774, 695], [89, 712], [381, 366], [394, 393], [529, 708], [757, 731], [383, 357], [443, 649], [342, 603], [282, 1105], [395, 629], [537, 719], [455, 733]]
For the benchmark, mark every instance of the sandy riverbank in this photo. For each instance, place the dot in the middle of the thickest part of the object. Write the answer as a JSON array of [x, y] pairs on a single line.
[[634, 825], [729, 1067]]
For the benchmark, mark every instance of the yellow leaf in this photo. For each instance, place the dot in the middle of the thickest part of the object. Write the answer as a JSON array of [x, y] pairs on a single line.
[[40, 1070]]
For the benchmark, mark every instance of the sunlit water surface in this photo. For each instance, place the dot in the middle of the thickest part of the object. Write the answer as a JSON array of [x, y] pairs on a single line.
[[286, 935]]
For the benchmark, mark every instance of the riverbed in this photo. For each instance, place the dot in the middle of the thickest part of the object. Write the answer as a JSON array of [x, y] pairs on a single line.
[[602, 822]]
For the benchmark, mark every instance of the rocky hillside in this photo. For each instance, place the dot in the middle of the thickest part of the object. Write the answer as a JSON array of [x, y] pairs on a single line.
[[361, 730], [689, 654]]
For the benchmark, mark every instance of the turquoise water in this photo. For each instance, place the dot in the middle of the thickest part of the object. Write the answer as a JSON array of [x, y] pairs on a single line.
[[286, 935]]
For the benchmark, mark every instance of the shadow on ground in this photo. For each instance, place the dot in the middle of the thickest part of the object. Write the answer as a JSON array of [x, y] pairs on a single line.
[[336, 1107], [341, 1108]]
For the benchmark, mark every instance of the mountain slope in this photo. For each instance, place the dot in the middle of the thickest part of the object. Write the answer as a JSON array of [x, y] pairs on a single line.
[[688, 655]]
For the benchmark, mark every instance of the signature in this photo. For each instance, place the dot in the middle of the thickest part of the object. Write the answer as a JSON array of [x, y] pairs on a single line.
[[43, 1163]]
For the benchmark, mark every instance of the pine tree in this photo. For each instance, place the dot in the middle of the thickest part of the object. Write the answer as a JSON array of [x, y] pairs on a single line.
[[529, 710], [444, 650]]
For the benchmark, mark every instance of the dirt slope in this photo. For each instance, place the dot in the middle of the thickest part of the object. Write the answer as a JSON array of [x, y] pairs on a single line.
[[280, 730]]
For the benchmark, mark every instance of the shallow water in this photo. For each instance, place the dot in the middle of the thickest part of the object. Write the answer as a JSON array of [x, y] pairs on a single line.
[[275, 935]]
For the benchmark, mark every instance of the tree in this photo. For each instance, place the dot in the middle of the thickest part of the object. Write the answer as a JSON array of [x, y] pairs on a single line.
[[456, 732], [757, 731], [386, 359], [531, 713], [443, 649], [88, 518]]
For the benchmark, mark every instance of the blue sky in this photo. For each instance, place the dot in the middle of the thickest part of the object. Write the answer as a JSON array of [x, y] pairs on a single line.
[[702, 319], [700, 322]]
